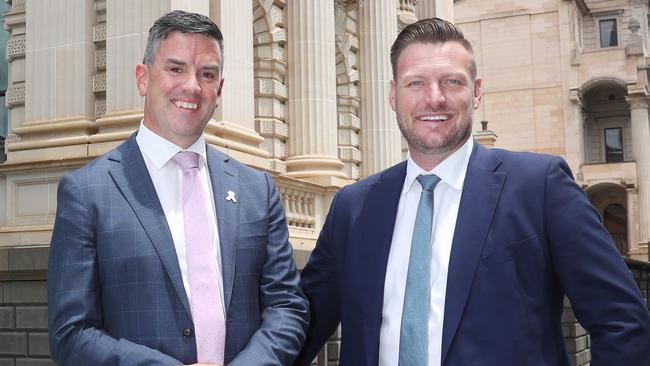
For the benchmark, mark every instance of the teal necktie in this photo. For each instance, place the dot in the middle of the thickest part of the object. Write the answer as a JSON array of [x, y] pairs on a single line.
[[413, 341]]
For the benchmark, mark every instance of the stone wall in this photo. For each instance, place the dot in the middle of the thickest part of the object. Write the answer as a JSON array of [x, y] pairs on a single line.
[[23, 307]]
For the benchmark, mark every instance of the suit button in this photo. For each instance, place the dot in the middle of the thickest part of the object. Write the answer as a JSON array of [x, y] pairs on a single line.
[[187, 332]]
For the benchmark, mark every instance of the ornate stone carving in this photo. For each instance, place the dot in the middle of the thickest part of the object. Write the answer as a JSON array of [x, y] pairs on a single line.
[[100, 107], [100, 59], [270, 74], [99, 32], [349, 121], [16, 48], [270, 87], [271, 128], [408, 5], [12, 138], [99, 82], [406, 13], [15, 95], [17, 6], [350, 154], [347, 46]]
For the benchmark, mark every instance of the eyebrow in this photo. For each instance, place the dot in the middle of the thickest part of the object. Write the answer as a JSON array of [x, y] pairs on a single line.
[[174, 61], [419, 74]]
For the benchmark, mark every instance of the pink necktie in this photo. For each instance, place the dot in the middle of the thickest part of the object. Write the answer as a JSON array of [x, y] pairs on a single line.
[[207, 313]]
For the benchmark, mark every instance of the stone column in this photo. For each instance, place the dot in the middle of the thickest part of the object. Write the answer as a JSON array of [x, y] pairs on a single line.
[[443, 9], [235, 18], [641, 153], [125, 33], [380, 135], [233, 127], [575, 154], [633, 225], [59, 65], [312, 93]]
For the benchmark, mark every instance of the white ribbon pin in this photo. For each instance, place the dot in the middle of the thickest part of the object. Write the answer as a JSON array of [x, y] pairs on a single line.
[[231, 197]]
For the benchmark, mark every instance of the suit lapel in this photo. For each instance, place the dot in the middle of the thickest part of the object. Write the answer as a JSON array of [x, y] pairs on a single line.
[[480, 196], [225, 178], [132, 178], [378, 214]]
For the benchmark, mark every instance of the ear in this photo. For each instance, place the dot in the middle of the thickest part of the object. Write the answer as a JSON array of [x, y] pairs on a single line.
[[478, 85], [391, 96], [141, 76], [220, 87]]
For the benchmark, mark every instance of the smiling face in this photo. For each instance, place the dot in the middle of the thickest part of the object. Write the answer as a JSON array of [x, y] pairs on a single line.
[[433, 96], [181, 87]]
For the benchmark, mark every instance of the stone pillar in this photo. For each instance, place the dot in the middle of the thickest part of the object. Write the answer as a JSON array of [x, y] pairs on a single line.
[[633, 248], [233, 127], [380, 135], [641, 153], [270, 83], [443, 9], [575, 154], [125, 32], [235, 18], [59, 64], [312, 93]]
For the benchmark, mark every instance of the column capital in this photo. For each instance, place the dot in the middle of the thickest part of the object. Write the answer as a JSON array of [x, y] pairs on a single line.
[[638, 102], [576, 96]]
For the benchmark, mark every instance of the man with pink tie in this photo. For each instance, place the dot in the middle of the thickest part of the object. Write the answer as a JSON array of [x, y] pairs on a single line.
[[165, 251]]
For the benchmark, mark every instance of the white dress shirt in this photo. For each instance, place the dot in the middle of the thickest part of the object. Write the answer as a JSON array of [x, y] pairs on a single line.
[[167, 178], [445, 211]]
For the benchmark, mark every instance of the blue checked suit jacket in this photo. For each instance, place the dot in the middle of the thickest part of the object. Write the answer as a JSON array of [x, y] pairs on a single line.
[[525, 236], [116, 295]]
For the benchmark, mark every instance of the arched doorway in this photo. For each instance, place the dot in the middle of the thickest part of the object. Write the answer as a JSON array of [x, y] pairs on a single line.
[[615, 221], [611, 202]]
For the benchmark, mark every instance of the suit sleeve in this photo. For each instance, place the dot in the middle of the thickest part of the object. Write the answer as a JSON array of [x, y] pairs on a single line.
[[285, 311], [320, 286], [74, 298], [603, 294]]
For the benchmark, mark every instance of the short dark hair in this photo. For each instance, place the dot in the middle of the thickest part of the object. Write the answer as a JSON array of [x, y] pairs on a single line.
[[180, 21], [430, 30]]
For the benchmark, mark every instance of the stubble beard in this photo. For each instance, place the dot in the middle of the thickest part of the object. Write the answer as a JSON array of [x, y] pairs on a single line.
[[449, 143]]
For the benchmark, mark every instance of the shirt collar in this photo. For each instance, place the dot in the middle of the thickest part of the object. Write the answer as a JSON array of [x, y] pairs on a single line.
[[160, 150], [451, 170]]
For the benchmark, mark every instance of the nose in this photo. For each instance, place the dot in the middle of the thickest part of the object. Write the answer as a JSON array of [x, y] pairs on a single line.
[[435, 96], [191, 84]]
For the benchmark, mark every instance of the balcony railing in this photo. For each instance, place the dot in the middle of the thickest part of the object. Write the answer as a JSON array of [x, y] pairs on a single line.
[[623, 172], [641, 273]]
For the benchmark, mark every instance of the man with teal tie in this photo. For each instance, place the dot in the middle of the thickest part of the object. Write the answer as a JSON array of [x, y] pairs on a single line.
[[463, 255]]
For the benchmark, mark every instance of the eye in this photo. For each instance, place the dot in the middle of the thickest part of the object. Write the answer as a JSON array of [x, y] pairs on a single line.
[[453, 82], [415, 83], [209, 75], [175, 69]]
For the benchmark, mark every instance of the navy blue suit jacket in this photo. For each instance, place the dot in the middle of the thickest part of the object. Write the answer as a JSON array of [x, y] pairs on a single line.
[[116, 295], [526, 235]]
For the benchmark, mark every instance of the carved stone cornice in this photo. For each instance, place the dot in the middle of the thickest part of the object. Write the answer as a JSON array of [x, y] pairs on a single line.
[[582, 6], [638, 102]]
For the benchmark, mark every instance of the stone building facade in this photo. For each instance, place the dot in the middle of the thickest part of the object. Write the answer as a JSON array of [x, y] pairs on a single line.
[[306, 99], [570, 78]]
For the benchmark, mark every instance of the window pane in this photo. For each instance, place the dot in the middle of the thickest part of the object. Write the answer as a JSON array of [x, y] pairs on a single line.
[[608, 33], [613, 145]]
